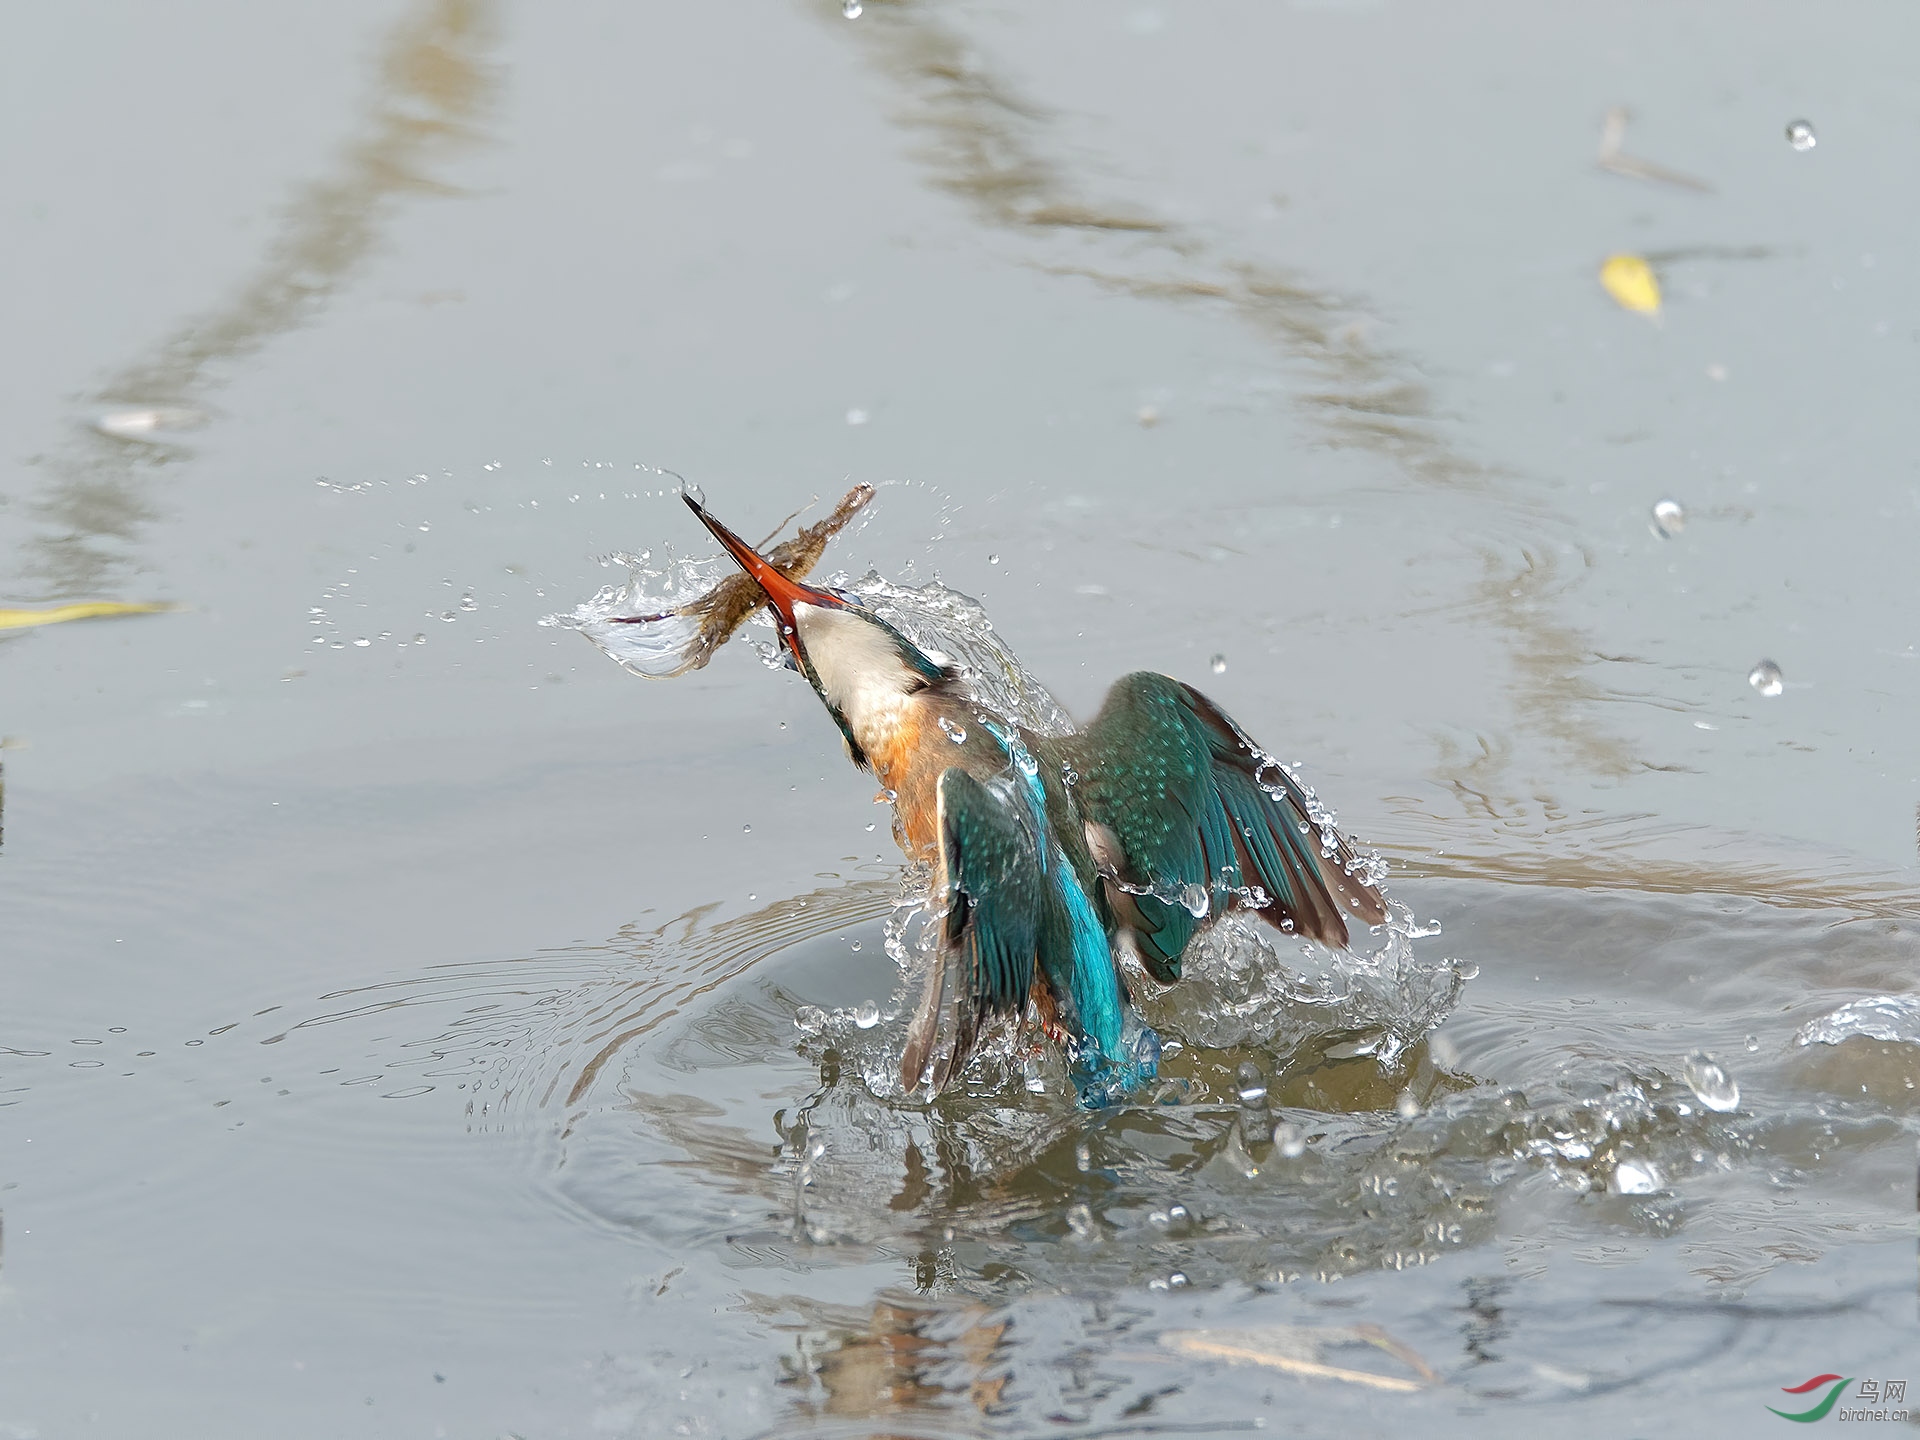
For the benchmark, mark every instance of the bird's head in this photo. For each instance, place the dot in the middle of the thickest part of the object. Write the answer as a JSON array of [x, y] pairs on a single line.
[[861, 667]]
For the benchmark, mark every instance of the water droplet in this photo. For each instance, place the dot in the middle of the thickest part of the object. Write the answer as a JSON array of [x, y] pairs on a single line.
[[1083, 1157], [1407, 1105], [1218, 664], [993, 559], [856, 944], [448, 616], [851, 9], [1715, 1089], [808, 1019], [138, 424], [1767, 679], [420, 639], [1196, 899], [746, 829], [1080, 1221], [1753, 1042], [1633, 1176], [1028, 765], [1669, 518], [693, 492], [424, 526], [468, 603], [1177, 1280], [1800, 134], [956, 733], [1290, 1140], [1251, 1084], [866, 1015]]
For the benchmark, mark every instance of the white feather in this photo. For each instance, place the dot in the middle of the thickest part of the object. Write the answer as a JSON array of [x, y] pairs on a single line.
[[860, 669]]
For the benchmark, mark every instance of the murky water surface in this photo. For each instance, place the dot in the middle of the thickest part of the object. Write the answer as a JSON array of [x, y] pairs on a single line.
[[416, 1025]]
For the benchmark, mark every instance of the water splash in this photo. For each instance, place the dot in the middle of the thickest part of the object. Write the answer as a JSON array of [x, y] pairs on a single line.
[[954, 628], [1894, 1018], [1239, 988], [1669, 519], [641, 624], [1242, 985], [1278, 1191], [1340, 1185], [1711, 1085], [1633, 1176]]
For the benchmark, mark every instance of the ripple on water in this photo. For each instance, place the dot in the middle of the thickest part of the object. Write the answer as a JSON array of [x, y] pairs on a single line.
[[724, 1129], [665, 1095]]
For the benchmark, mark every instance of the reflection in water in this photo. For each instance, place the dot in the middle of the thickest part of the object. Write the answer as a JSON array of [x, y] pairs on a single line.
[[432, 85], [1022, 1255], [1486, 1325], [984, 144], [1396, 1169], [991, 1206], [1531, 841], [898, 1355]]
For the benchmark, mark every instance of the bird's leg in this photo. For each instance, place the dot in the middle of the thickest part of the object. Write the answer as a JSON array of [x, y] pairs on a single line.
[[1046, 1016]]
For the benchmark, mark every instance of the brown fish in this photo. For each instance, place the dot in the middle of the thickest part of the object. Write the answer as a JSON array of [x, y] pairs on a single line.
[[725, 608]]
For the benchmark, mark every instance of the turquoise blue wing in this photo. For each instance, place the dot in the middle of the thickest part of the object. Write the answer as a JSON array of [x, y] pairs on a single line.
[[993, 888], [1185, 813]]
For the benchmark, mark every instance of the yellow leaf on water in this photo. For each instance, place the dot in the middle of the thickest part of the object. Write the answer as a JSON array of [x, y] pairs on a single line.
[[86, 610], [1630, 281]]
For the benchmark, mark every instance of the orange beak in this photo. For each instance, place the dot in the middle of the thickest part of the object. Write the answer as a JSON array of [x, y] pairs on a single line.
[[782, 593]]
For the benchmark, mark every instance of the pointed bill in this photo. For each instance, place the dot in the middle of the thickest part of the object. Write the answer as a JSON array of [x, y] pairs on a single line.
[[782, 593]]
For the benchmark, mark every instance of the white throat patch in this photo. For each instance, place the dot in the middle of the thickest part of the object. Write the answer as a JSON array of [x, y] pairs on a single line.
[[860, 669]]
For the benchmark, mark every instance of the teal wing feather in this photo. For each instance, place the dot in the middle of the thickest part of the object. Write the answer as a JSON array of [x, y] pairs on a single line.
[[993, 888], [1176, 796]]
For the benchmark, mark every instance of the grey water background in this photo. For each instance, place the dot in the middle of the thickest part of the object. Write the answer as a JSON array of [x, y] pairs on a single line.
[[396, 1036]]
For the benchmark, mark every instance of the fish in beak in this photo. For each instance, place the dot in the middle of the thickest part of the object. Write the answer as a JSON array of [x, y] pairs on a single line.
[[782, 593]]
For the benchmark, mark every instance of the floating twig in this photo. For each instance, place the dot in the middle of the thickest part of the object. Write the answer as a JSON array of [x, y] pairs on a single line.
[[1297, 1349], [1613, 134]]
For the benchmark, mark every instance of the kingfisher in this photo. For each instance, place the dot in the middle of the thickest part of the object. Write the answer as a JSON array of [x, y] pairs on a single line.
[[1055, 858]]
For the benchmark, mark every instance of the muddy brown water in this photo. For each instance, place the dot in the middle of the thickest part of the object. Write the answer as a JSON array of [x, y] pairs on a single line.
[[399, 1037]]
